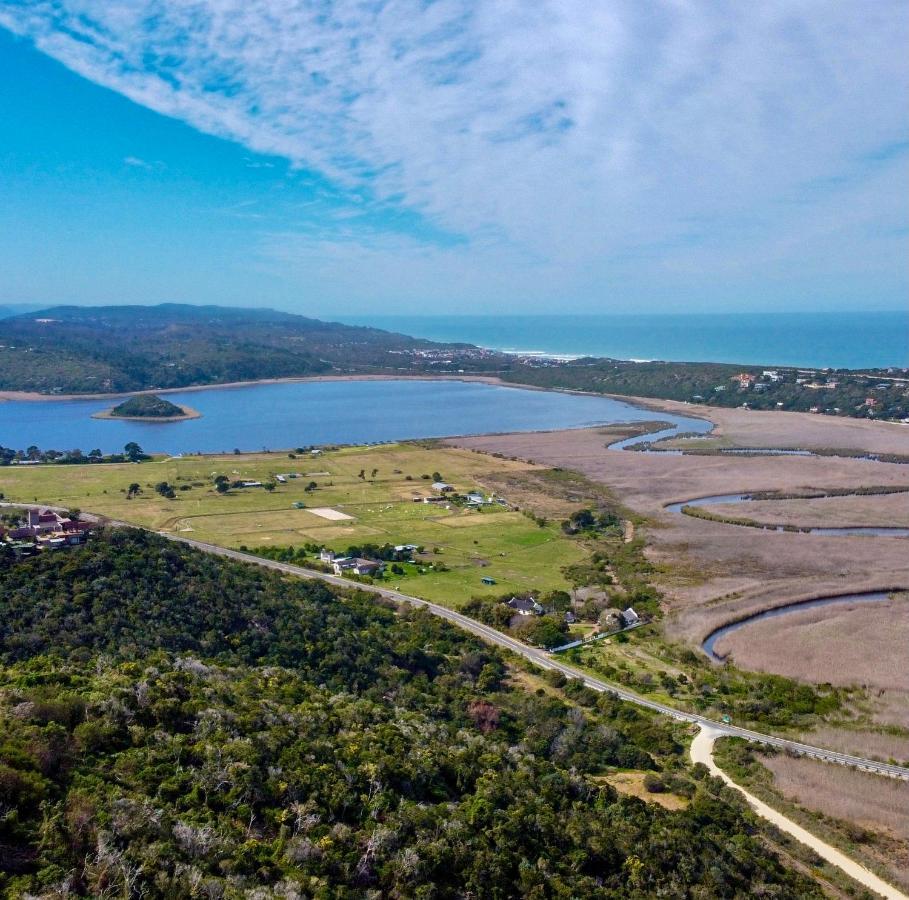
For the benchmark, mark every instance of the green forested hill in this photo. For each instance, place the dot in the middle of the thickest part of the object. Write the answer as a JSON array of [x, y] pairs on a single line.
[[70, 349], [176, 725]]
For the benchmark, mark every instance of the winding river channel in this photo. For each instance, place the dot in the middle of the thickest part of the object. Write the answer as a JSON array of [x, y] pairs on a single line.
[[708, 645], [828, 531]]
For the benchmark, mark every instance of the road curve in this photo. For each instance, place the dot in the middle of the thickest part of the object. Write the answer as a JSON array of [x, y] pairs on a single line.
[[545, 660], [539, 657], [702, 752]]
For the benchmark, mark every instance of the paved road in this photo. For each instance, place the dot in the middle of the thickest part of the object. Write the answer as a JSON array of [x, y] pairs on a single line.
[[541, 658], [702, 752], [545, 660]]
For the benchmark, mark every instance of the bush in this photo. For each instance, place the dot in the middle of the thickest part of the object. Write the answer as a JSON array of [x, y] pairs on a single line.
[[653, 784]]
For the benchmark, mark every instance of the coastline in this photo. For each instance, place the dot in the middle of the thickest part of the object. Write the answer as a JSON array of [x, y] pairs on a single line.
[[188, 413]]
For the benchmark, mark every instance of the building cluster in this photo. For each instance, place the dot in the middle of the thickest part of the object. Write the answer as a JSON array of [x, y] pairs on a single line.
[[45, 530], [618, 620], [357, 565]]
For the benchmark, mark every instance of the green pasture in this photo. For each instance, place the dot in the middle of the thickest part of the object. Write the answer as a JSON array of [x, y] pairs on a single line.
[[495, 542]]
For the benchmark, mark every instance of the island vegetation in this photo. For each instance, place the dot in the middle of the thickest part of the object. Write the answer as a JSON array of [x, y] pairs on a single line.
[[148, 406], [178, 725]]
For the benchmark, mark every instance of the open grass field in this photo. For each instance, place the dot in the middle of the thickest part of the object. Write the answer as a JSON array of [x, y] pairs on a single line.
[[344, 509]]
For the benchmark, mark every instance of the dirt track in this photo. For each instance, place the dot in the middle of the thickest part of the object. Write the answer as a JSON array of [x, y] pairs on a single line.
[[702, 752]]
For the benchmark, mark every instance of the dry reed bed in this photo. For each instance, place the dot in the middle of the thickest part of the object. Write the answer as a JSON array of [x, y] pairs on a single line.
[[863, 644], [888, 510], [874, 803]]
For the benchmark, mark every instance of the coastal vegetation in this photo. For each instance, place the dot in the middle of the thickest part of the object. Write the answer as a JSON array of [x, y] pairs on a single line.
[[70, 349], [871, 394], [644, 661], [178, 725]]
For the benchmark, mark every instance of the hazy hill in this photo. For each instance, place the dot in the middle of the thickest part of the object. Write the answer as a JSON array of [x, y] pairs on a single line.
[[120, 348]]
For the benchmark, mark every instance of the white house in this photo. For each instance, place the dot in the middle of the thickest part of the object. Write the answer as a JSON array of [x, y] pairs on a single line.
[[630, 617], [351, 565], [525, 606]]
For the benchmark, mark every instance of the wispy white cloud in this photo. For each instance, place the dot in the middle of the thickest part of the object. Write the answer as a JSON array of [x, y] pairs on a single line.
[[567, 139]]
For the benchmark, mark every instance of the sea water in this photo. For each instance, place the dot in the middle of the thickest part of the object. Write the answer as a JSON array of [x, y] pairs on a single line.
[[850, 340]]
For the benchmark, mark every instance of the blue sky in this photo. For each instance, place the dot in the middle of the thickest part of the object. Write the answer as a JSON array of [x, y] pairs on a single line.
[[399, 156]]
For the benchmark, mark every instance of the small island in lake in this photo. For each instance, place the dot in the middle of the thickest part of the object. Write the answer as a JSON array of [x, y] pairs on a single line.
[[148, 408]]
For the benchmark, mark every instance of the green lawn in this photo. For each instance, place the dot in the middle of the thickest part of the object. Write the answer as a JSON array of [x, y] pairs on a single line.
[[495, 542]]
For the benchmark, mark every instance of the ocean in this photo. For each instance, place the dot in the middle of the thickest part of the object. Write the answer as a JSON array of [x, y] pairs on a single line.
[[852, 340]]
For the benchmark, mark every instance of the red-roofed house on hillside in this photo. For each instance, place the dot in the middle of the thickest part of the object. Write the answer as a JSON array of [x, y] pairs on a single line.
[[50, 529]]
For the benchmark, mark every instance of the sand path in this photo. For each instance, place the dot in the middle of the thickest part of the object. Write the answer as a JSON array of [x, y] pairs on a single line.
[[702, 752]]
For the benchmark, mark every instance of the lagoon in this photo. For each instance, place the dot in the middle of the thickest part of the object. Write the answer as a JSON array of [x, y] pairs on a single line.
[[279, 416]]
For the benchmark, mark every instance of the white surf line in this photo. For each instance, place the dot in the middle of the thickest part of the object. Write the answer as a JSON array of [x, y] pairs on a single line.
[[702, 752]]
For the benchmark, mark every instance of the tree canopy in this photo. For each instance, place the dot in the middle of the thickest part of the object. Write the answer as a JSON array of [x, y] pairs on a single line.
[[174, 724]]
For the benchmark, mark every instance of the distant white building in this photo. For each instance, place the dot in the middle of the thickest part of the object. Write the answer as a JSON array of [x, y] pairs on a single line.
[[630, 617]]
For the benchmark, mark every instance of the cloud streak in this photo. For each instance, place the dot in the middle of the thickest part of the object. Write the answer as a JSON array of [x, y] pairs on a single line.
[[570, 137]]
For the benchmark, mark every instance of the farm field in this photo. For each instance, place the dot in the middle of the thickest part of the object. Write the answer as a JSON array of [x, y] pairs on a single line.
[[344, 509]]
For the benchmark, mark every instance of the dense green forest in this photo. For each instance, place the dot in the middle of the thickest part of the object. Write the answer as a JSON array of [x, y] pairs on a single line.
[[177, 725], [70, 349]]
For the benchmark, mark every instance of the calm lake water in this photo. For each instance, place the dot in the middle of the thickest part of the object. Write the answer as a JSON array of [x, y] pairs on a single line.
[[278, 416]]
